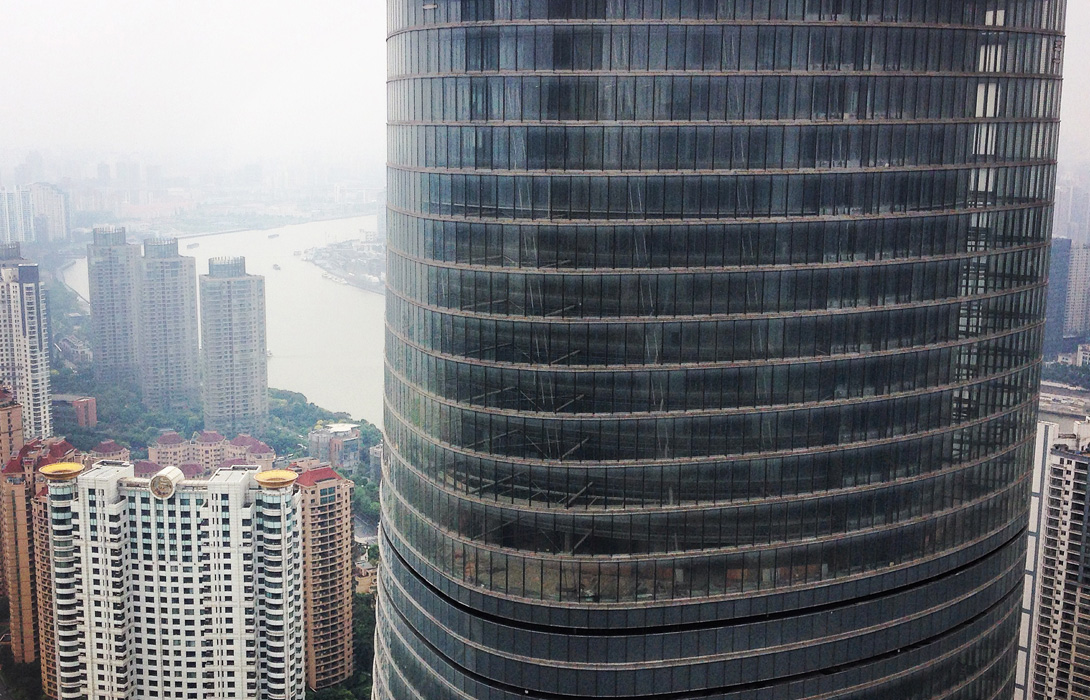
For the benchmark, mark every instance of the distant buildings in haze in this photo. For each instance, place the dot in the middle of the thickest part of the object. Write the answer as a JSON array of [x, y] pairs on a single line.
[[114, 296], [36, 212], [144, 327], [235, 355], [168, 347]]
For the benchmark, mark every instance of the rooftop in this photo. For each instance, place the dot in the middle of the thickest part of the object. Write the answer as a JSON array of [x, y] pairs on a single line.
[[276, 478], [170, 438], [62, 471], [313, 476], [107, 447]]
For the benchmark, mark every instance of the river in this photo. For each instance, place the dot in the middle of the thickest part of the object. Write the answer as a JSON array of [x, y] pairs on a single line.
[[325, 337]]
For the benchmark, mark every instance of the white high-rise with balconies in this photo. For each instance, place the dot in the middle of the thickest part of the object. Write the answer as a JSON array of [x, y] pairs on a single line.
[[167, 587], [24, 340]]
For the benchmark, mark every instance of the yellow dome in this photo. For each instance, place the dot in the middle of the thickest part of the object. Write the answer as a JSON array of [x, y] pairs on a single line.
[[62, 471], [276, 478]]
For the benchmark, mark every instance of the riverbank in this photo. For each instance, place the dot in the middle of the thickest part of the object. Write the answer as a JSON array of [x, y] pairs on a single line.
[[326, 338]]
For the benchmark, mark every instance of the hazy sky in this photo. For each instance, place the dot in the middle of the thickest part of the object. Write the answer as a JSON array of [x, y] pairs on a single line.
[[240, 79]]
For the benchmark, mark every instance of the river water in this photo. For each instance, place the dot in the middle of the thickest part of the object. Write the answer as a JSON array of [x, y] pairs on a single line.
[[325, 337]]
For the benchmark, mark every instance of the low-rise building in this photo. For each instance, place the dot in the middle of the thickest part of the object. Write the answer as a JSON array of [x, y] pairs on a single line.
[[337, 443], [84, 409], [109, 450], [375, 463], [210, 450]]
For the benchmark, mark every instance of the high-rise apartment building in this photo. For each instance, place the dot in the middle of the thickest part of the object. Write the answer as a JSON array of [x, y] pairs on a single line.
[[169, 587], [20, 482], [16, 215], [1059, 653], [714, 342], [1047, 436], [24, 341], [168, 351], [1077, 311], [236, 377], [113, 284], [25, 564], [327, 575], [1059, 281], [11, 425], [49, 206]]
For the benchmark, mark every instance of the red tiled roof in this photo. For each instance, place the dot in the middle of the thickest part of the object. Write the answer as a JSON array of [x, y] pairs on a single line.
[[107, 447], [312, 477], [228, 463], [209, 436], [42, 491], [260, 448], [14, 466], [171, 438], [143, 467], [60, 448], [244, 440], [191, 470]]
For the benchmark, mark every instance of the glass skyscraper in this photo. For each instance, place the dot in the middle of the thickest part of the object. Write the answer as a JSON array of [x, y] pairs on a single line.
[[713, 345]]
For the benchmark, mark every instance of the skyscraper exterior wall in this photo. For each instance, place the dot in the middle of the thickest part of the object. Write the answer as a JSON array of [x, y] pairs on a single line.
[[713, 350], [168, 350], [235, 360], [177, 588], [1058, 659], [327, 575], [24, 341], [113, 285]]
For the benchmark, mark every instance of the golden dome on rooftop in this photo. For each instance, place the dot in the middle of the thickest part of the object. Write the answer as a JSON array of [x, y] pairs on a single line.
[[62, 471], [276, 478]]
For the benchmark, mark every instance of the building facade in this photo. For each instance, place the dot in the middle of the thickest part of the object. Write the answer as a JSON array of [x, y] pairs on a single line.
[[16, 215], [1077, 312], [27, 570], [1047, 436], [714, 343], [235, 355], [24, 341], [113, 285], [49, 206], [36, 212], [1059, 281], [177, 588], [327, 575], [1058, 660], [168, 349], [209, 450], [336, 443]]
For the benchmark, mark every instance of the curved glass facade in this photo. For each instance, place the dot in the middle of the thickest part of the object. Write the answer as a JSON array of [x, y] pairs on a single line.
[[713, 345]]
